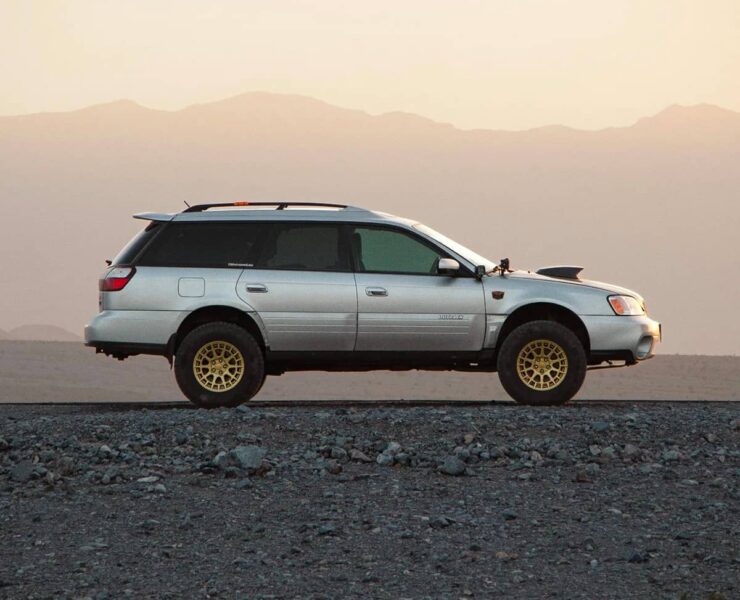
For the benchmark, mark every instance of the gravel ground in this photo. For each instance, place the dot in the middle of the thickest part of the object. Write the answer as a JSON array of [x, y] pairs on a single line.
[[590, 501]]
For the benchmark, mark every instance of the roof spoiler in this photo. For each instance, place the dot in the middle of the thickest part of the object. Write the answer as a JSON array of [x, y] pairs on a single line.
[[154, 216]]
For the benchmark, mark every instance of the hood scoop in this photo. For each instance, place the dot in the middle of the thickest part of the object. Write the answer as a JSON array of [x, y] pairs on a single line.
[[563, 271]]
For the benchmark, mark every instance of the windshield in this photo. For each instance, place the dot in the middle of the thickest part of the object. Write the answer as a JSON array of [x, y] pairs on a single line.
[[466, 253]]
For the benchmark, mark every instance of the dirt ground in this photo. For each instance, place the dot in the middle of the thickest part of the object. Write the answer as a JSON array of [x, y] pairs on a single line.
[[68, 372]]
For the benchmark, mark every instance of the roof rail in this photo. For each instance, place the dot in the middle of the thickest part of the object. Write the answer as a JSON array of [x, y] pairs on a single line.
[[277, 205]]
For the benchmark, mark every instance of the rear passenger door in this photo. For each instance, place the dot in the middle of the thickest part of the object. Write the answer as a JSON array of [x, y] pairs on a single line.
[[404, 304], [303, 288]]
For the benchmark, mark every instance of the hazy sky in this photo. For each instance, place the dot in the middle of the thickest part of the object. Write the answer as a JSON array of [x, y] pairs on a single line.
[[490, 63]]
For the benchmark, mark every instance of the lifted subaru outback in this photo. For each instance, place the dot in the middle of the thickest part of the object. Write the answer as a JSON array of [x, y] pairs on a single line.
[[232, 292]]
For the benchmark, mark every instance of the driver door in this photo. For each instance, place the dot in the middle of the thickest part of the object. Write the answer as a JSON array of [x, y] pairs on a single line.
[[404, 304]]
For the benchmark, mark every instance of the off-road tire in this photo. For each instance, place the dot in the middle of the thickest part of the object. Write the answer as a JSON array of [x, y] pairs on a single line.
[[254, 365], [551, 331]]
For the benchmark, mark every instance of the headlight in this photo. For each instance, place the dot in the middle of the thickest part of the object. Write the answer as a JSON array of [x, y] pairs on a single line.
[[625, 305]]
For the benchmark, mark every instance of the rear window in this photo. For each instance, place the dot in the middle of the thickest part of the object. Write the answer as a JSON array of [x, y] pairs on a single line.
[[137, 243], [205, 245]]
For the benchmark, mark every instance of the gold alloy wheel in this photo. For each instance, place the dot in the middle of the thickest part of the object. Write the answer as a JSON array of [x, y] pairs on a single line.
[[218, 366], [542, 365]]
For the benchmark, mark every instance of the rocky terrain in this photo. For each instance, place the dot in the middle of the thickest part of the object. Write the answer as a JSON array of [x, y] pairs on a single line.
[[611, 500]]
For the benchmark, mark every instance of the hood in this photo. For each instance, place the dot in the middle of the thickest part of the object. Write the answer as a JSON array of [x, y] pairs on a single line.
[[599, 285]]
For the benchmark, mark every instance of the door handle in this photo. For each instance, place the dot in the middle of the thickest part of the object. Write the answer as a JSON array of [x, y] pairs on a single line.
[[257, 288], [376, 291]]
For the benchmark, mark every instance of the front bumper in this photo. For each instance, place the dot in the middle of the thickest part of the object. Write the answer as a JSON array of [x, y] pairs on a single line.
[[623, 336]]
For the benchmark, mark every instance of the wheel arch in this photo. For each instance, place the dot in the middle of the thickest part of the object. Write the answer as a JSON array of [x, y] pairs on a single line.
[[545, 311], [209, 314]]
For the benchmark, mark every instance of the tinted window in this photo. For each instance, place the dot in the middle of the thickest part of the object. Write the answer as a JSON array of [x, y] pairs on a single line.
[[137, 243], [387, 251], [204, 245], [303, 247]]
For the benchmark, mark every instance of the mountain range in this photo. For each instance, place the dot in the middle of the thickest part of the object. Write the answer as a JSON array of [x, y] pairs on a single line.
[[39, 332], [652, 206]]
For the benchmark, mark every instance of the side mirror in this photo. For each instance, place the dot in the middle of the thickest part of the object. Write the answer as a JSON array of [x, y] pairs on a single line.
[[448, 266]]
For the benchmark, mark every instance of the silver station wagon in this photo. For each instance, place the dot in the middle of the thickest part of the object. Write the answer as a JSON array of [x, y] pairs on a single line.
[[230, 293]]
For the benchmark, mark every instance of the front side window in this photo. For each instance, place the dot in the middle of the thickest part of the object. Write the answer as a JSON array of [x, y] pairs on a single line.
[[303, 247], [204, 245], [379, 250]]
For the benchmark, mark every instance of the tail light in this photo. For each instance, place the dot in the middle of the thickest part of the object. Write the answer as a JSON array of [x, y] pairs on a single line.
[[115, 279]]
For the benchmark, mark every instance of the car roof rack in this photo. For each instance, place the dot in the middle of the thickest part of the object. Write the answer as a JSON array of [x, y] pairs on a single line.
[[277, 205]]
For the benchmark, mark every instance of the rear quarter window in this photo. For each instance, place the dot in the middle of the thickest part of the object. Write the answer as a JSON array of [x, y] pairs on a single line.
[[131, 250], [205, 245]]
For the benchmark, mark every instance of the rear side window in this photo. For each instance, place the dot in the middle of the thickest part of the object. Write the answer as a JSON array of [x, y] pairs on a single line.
[[137, 243], [303, 247], [205, 245]]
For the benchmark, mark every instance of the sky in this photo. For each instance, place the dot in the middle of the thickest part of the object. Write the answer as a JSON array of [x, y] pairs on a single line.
[[501, 64]]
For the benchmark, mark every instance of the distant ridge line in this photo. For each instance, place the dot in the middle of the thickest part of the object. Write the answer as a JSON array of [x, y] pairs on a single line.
[[673, 111], [39, 332]]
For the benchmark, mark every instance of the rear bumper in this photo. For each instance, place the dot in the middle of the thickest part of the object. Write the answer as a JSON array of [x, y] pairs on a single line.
[[128, 332], [618, 338], [123, 350]]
